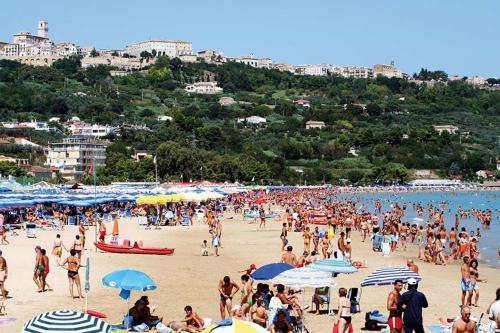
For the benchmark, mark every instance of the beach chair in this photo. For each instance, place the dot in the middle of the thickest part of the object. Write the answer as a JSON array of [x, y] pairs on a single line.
[[31, 230], [324, 293], [354, 296]]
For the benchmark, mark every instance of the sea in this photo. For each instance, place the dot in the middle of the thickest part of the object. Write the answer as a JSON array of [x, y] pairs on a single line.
[[482, 200]]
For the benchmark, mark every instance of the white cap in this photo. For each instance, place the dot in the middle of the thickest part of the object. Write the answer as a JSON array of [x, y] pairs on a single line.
[[412, 281], [236, 307], [348, 240]]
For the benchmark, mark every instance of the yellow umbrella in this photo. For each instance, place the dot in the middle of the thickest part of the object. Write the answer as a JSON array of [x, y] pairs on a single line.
[[147, 200], [168, 198]]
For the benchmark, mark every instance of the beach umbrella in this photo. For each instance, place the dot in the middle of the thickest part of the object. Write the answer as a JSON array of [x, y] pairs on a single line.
[[168, 198], [304, 277], [65, 321], [333, 266], [128, 280], [147, 200], [270, 271], [235, 326], [387, 275], [260, 201]]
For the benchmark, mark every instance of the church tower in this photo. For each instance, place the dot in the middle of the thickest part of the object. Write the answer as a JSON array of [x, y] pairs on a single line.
[[43, 29]]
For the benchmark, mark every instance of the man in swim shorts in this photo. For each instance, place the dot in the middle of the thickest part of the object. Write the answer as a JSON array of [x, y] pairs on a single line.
[[465, 282], [395, 321], [39, 268]]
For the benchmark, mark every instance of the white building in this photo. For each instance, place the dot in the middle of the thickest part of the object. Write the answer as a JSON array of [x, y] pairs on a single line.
[[75, 155], [315, 124], [165, 118], [284, 67], [387, 70], [84, 129], [204, 88], [476, 80], [36, 125], [124, 64], [26, 45], [451, 129], [163, 47], [254, 120], [253, 61], [357, 72], [315, 69]]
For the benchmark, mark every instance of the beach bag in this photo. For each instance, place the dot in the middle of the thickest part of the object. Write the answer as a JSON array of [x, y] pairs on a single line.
[[162, 328], [141, 328]]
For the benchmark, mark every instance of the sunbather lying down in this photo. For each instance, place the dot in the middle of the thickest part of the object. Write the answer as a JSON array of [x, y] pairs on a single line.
[[192, 322]]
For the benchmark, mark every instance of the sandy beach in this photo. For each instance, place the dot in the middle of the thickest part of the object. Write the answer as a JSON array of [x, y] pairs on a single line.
[[187, 278]]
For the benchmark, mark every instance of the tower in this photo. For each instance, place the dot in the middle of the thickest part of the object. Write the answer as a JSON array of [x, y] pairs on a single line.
[[43, 29]]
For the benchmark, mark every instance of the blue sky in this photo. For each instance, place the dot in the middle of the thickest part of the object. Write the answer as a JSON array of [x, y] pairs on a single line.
[[459, 36]]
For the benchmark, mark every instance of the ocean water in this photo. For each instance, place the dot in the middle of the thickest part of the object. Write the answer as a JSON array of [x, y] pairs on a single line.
[[490, 239]]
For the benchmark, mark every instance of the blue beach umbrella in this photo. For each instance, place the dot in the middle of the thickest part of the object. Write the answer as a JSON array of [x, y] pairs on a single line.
[[128, 280], [270, 271], [334, 266]]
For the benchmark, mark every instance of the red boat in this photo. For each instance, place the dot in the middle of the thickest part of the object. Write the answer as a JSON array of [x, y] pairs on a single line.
[[135, 249]]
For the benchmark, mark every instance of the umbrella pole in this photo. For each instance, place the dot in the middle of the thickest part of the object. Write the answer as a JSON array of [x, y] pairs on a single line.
[[128, 309]]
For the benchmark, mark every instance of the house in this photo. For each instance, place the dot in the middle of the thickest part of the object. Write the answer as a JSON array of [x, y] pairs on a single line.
[[315, 124], [43, 172], [484, 174], [7, 159], [227, 101], [446, 128], [360, 106], [142, 154], [303, 103], [165, 118], [25, 142], [204, 88], [254, 120]]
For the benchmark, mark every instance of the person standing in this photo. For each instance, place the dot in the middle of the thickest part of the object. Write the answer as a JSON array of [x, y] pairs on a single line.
[[72, 265], [465, 282], [411, 303], [81, 229], [493, 310], [474, 279], [395, 321], [4, 272], [39, 268], [227, 289]]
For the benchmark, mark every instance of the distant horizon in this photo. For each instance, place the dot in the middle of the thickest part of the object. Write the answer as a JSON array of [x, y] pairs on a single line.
[[453, 36]]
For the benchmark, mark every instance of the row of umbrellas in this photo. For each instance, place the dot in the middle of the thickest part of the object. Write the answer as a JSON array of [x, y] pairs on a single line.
[[315, 276], [162, 199]]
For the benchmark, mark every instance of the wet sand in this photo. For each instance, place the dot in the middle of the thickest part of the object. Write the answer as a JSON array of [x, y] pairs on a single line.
[[187, 278]]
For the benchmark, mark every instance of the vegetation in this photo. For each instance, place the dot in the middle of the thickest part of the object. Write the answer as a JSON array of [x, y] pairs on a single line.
[[377, 130]]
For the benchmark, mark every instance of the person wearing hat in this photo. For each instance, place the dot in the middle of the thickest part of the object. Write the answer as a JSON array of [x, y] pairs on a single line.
[[348, 249], [411, 303]]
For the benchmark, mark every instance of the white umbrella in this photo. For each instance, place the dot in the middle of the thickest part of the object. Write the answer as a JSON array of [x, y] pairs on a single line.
[[65, 321], [304, 277]]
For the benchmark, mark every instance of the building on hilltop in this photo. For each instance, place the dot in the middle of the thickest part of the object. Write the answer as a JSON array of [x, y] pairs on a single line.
[[204, 88], [252, 61], [315, 124], [387, 70], [254, 120], [76, 154], [303, 103], [37, 50], [357, 72], [162, 47], [451, 129], [314, 69]]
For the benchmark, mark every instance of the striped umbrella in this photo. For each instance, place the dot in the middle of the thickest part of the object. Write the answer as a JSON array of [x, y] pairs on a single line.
[[388, 275], [65, 321], [235, 326], [333, 266], [304, 277]]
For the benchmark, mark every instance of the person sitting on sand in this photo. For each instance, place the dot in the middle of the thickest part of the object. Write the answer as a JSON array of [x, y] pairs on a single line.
[[227, 289], [464, 324], [258, 313], [237, 313], [281, 324], [192, 322]]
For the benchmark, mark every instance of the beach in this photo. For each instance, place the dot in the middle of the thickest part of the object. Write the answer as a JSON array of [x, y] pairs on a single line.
[[187, 278]]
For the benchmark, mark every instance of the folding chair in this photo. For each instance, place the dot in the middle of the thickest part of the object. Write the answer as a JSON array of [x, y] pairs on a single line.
[[323, 293], [354, 296]]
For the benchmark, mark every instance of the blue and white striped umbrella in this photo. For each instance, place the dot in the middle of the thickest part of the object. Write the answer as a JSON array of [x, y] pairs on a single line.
[[304, 277], [65, 321], [388, 275], [333, 265]]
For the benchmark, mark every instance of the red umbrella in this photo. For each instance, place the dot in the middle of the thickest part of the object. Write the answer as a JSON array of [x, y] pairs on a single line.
[[260, 201]]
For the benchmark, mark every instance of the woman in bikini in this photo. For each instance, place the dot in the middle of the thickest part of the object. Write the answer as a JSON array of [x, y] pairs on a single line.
[[72, 264], [474, 278], [78, 246], [344, 311], [307, 240], [283, 236]]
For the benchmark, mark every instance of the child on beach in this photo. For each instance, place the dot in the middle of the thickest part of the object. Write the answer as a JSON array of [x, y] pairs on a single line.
[[204, 248]]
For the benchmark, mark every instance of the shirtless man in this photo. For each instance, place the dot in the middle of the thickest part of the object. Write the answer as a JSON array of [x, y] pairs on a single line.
[[259, 314], [193, 322], [411, 265], [102, 231], [465, 282], [289, 257], [39, 268], [81, 230], [395, 321], [4, 272], [464, 324], [341, 244], [227, 289]]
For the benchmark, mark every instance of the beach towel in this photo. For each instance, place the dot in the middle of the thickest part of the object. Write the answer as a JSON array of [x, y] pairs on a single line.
[[7, 320]]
